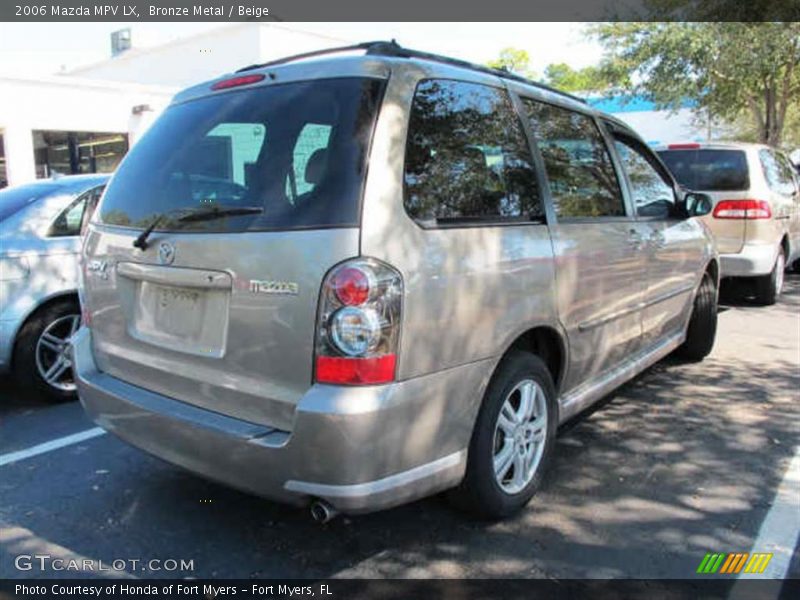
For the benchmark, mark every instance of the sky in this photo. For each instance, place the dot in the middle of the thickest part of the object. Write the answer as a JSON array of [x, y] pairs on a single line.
[[47, 48]]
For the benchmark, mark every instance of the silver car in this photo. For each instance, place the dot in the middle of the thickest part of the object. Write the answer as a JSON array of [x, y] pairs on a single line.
[[354, 281], [40, 226]]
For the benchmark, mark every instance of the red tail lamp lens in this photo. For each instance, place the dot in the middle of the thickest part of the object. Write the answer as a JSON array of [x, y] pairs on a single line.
[[352, 286], [742, 209], [237, 81], [356, 371]]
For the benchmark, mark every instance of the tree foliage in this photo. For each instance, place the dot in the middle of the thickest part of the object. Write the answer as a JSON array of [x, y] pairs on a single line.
[[587, 79], [726, 69], [513, 60]]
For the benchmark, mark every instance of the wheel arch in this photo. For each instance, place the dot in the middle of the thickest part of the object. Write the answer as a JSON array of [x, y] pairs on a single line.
[[546, 342]]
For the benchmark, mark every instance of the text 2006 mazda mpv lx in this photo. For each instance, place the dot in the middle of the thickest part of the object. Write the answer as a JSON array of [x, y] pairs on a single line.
[[357, 280]]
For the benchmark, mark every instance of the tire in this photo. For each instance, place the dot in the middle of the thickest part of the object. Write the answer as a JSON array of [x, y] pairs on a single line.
[[481, 492], [702, 329], [769, 287], [35, 354]]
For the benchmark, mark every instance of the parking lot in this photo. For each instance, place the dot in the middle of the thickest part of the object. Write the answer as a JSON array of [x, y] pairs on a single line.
[[686, 459]]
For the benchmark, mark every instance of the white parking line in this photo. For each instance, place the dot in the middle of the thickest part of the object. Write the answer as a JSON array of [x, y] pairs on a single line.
[[12, 457], [779, 533]]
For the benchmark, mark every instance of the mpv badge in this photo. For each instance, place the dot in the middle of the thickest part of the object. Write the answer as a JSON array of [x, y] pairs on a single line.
[[166, 253]]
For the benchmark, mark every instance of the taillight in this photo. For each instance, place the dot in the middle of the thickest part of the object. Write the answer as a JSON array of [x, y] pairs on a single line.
[[742, 209], [685, 146], [359, 322], [237, 81]]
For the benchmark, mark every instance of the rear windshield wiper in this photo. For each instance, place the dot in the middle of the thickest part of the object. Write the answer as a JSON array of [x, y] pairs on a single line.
[[201, 213]]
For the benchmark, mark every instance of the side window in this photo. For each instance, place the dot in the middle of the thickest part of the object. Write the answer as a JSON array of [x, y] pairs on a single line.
[[309, 160], [777, 173], [582, 178], [71, 218], [467, 159], [653, 195]]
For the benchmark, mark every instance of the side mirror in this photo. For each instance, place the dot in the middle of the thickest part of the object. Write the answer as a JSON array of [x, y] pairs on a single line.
[[696, 204]]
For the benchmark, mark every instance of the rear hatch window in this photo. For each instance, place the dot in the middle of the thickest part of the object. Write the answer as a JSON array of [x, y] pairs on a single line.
[[295, 152], [708, 169]]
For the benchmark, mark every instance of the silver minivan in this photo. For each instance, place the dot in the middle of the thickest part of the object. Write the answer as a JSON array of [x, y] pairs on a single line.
[[356, 279], [756, 216]]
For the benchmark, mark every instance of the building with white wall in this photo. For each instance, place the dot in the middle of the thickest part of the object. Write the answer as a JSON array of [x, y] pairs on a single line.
[[58, 124], [206, 55], [85, 120]]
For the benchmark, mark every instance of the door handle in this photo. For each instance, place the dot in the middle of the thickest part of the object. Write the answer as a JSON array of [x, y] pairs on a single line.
[[635, 238]]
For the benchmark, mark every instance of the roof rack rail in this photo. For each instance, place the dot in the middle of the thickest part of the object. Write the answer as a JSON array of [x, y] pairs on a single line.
[[393, 49], [287, 59]]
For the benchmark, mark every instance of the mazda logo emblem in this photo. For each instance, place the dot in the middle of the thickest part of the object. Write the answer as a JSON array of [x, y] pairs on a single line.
[[166, 253]]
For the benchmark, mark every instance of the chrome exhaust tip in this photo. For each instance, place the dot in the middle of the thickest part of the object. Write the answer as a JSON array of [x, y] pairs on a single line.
[[322, 512]]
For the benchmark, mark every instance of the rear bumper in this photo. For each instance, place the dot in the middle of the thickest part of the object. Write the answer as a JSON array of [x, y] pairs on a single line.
[[359, 448], [753, 260]]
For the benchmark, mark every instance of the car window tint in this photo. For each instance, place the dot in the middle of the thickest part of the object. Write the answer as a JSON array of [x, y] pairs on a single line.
[[238, 149], [70, 219], [467, 158], [653, 195], [708, 170], [578, 165], [777, 173]]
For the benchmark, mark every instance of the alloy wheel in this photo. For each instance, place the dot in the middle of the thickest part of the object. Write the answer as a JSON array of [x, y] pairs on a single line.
[[519, 436], [53, 359]]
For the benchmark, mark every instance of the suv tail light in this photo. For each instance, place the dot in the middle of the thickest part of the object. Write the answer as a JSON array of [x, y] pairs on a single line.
[[742, 209], [359, 323]]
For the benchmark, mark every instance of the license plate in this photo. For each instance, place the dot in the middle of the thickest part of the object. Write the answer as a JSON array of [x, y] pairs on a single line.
[[177, 298], [178, 311], [188, 319]]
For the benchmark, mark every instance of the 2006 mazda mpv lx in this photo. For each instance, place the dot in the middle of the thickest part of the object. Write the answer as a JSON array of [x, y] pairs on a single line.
[[357, 280]]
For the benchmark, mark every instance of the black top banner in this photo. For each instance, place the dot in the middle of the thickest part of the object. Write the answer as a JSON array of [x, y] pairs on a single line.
[[403, 10]]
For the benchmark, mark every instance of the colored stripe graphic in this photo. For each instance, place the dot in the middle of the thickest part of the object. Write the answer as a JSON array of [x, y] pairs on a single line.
[[711, 563], [732, 563], [758, 562]]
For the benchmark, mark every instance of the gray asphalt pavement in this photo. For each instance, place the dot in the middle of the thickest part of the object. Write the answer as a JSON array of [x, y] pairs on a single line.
[[686, 459]]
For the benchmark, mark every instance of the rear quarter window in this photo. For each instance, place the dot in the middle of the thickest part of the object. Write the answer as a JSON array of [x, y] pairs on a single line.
[[467, 159], [777, 172]]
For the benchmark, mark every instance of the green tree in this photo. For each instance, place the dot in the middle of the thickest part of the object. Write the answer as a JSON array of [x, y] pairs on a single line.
[[564, 77], [727, 69], [513, 60]]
